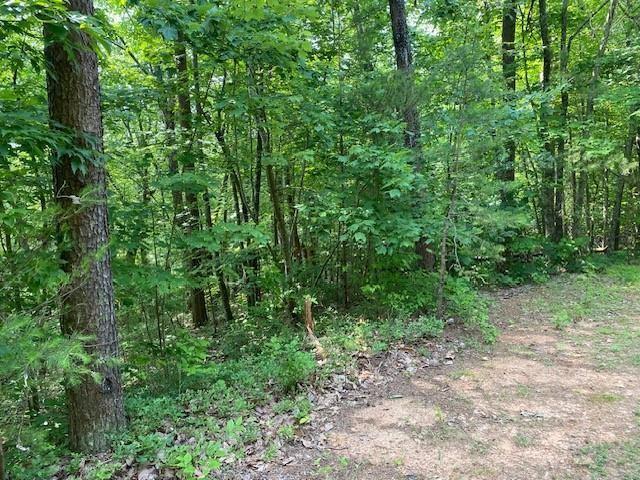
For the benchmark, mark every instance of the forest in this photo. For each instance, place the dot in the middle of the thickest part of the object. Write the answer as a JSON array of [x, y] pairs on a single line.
[[213, 211]]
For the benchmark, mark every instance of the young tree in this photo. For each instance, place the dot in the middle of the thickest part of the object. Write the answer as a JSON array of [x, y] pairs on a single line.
[[191, 224], [79, 179]]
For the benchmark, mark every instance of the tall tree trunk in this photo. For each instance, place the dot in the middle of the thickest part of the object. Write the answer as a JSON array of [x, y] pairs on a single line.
[[605, 207], [223, 288], [296, 247], [595, 78], [244, 213], [225, 294], [254, 261], [506, 168], [579, 208], [588, 210], [87, 303], [282, 236], [614, 231], [548, 164], [281, 233], [404, 63], [575, 218], [195, 258], [558, 223]]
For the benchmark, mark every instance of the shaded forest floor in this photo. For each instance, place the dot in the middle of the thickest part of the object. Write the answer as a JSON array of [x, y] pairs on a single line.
[[557, 396]]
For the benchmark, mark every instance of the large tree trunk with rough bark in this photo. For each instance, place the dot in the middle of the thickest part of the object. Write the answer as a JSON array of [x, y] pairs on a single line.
[[404, 63], [87, 304]]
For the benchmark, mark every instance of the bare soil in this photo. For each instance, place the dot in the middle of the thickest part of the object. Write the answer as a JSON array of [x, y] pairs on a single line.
[[539, 404]]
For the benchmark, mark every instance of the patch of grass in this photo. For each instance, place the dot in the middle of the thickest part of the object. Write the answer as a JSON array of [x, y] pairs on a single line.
[[271, 452], [286, 432], [604, 398], [609, 461], [562, 319], [328, 465], [581, 297], [608, 298], [617, 460], [619, 343], [298, 407], [523, 391], [599, 456], [625, 273], [522, 440], [458, 374], [439, 414], [523, 350], [479, 447]]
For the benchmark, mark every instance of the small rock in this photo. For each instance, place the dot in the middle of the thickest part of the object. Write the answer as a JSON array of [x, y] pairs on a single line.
[[148, 474], [528, 414]]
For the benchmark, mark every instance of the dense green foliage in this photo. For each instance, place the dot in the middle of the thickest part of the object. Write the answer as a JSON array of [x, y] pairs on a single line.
[[291, 152]]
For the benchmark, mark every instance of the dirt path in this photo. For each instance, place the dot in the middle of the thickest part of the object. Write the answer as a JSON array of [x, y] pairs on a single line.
[[542, 403]]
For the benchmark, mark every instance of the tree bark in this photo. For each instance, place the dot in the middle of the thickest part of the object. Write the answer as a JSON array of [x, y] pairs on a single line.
[[548, 165], [404, 64], [558, 230], [506, 168], [87, 303]]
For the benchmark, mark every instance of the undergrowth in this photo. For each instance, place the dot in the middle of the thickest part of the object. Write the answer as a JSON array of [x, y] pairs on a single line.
[[196, 401], [198, 397]]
